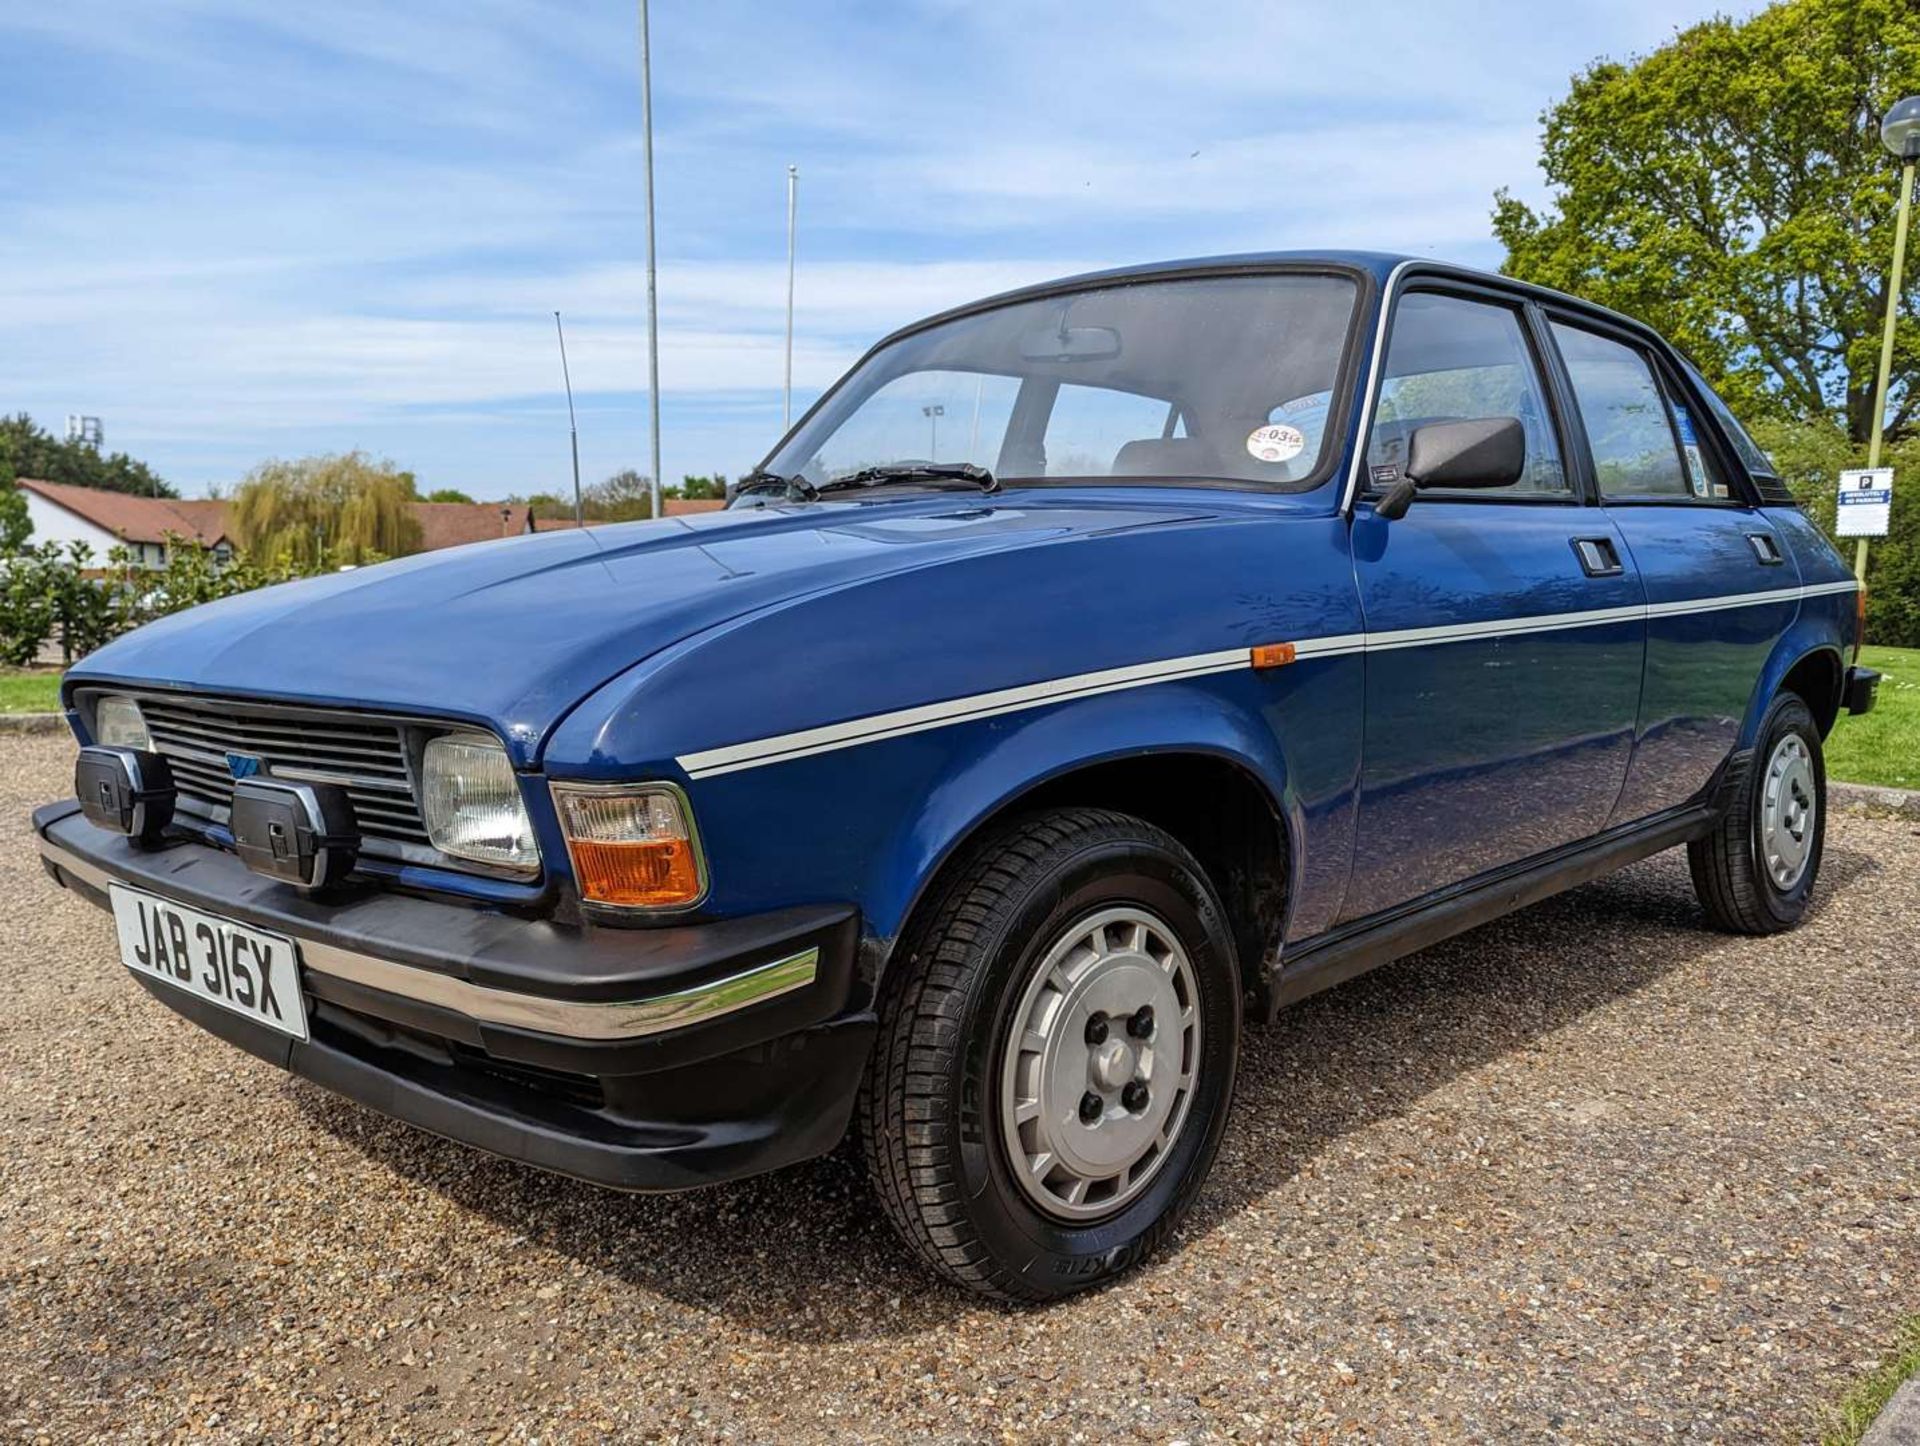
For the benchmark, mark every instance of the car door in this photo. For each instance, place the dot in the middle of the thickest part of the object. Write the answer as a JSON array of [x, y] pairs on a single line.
[[1721, 582], [1505, 629]]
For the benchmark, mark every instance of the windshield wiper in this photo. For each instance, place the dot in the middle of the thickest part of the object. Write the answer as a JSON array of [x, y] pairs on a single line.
[[794, 489], [967, 472]]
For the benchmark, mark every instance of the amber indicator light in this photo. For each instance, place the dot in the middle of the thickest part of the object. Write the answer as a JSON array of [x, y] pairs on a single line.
[[1273, 655]]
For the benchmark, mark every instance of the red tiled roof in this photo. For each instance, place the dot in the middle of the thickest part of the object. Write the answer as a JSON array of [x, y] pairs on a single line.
[[449, 524], [442, 524], [676, 507], [137, 519]]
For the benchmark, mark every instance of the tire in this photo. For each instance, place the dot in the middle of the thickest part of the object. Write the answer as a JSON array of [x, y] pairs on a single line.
[[1746, 887], [1044, 922]]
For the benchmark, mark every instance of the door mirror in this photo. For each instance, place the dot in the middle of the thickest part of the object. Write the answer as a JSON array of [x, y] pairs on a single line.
[[1485, 452]]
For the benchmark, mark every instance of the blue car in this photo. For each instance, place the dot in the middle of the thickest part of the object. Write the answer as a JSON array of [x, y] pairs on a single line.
[[1092, 668]]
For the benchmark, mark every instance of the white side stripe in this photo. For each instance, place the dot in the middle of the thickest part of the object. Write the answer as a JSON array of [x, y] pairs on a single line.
[[871, 729], [758, 752]]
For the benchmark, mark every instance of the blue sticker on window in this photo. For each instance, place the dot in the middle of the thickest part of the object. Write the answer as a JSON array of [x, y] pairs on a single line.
[[1686, 427]]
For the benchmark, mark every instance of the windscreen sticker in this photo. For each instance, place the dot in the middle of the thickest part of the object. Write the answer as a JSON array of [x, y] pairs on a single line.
[[1276, 442], [1686, 427]]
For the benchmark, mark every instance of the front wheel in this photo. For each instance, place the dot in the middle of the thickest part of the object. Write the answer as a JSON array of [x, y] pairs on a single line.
[[1056, 1057], [1755, 872]]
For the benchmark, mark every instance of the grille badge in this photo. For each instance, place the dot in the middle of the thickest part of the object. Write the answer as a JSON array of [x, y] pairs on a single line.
[[245, 765]]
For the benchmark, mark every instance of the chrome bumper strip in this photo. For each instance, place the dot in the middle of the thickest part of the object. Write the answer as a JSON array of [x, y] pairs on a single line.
[[572, 1019]]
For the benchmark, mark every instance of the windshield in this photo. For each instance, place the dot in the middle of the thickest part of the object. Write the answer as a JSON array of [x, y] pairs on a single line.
[[1222, 377]]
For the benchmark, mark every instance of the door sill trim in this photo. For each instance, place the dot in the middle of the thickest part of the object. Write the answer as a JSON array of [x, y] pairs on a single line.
[[1352, 949]]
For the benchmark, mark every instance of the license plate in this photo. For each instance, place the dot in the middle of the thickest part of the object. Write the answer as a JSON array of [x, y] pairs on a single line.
[[245, 970]]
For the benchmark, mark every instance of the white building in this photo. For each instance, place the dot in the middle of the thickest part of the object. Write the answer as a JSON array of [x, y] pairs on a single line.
[[106, 520]]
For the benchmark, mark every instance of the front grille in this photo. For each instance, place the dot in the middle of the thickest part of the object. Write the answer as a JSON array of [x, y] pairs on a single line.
[[364, 755]]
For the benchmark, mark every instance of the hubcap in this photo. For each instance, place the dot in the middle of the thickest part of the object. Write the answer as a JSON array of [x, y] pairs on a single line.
[[1073, 1160], [1787, 805]]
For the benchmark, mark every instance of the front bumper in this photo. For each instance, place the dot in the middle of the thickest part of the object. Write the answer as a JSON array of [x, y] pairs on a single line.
[[1862, 686], [640, 1059]]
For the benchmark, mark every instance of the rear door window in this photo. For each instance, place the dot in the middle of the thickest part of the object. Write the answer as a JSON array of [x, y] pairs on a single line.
[[1635, 441]]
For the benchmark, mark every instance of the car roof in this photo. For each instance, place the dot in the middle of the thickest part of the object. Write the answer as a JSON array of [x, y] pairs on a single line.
[[1378, 265]]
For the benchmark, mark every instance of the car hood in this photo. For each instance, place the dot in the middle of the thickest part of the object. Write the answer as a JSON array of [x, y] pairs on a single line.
[[511, 634]]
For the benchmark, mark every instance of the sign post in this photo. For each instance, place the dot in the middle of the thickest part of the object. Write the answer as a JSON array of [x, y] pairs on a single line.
[[1906, 144]]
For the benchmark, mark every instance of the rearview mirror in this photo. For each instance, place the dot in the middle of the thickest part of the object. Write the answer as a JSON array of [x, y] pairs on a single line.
[[1070, 344], [1485, 452]]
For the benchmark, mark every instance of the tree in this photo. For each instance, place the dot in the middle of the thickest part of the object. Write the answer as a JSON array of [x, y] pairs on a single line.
[[15, 525], [31, 451], [623, 497], [325, 511], [704, 488], [1731, 190], [447, 494]]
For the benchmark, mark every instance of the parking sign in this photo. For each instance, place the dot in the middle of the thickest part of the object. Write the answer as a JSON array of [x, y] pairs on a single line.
[[1866, 502]]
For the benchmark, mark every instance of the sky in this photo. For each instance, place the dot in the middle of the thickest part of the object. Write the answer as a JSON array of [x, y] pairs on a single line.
[[241, 229]]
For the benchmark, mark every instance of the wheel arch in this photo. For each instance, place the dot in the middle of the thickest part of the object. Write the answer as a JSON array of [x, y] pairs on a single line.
[[1220, 790], [1808, 665]]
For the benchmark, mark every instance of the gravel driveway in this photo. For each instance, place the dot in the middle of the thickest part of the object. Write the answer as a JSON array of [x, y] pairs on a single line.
[[1590, 1173]]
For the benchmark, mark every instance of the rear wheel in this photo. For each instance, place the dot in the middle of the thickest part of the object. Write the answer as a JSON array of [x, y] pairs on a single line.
[[1755, 872], [1056, 1057]]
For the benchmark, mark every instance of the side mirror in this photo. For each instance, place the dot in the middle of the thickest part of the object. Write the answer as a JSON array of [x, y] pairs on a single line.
[[1485, 452]]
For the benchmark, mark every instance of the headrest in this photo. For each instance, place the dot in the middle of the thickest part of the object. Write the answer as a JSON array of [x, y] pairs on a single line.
[[1165, 457]]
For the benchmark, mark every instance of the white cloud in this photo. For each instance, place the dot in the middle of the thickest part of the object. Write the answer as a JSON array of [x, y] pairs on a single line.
[[235, 226]]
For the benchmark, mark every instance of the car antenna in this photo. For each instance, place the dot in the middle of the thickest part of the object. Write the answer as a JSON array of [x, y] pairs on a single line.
[[573, 429]]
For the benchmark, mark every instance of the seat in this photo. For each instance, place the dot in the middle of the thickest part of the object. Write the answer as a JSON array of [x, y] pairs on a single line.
[[1165, 457]]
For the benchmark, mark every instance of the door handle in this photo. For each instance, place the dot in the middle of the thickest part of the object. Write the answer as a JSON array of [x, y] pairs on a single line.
[[1765, 548], [1598, 557]]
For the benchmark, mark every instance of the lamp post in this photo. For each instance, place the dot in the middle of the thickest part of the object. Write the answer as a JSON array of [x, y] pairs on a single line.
[[933, 414], [1900, 132], [653, 297]]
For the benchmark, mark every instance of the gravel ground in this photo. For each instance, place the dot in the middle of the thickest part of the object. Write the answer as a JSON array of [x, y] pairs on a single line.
[[1591, 1173]]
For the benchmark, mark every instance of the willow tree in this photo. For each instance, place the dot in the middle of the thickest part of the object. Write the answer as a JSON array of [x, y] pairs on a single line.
[[320, 512], [1730, 188]]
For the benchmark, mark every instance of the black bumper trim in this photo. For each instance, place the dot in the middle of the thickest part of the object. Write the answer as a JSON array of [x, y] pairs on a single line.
[[1863, 686], [761, 1111]]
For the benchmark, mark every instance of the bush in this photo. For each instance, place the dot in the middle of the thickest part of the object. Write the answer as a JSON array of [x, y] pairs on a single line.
[[56, 593]]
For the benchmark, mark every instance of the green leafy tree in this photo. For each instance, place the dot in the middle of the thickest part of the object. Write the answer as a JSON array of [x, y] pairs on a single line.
[[30, 451], [624, 497], [325, 511], [16, 525], [1731, 189], [701, 488], [447, 494]]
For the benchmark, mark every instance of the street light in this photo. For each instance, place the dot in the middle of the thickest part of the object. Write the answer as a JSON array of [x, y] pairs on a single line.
[[653, 288], [1900, 132], [933, 414]]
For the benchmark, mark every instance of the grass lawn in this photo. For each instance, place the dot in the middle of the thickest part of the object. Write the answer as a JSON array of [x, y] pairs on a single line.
[[30, 691], [1884, 746], [1872, 1391]]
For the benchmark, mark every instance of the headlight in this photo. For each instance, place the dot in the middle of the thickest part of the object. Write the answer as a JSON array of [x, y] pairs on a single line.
[[117, 724], [472, 805], [634, 847]]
